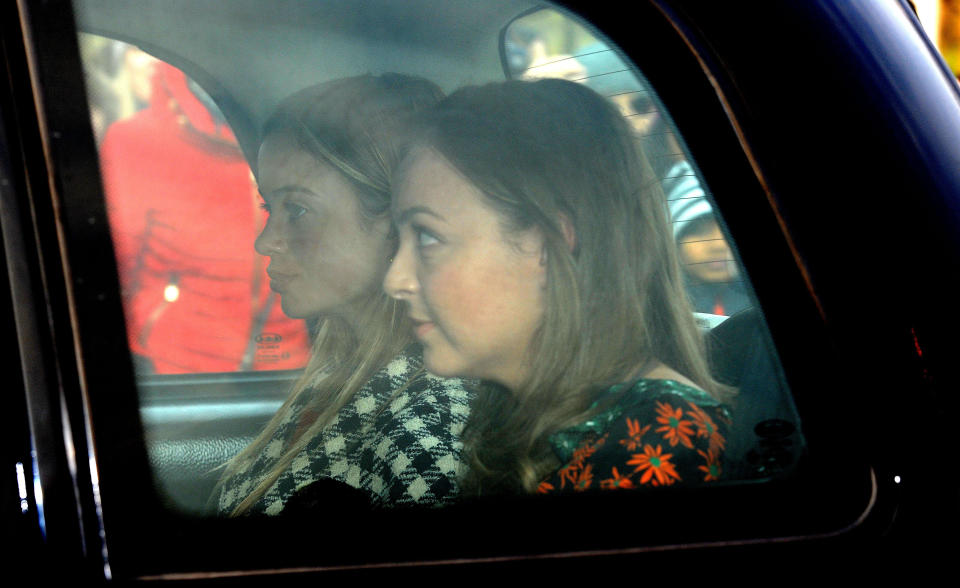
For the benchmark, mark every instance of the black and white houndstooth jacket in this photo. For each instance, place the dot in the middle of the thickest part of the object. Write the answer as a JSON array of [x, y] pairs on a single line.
[[400, 448]]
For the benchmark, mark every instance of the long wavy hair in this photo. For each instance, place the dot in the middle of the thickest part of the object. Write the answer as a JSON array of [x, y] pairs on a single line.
[[360, 127], [554, 155]]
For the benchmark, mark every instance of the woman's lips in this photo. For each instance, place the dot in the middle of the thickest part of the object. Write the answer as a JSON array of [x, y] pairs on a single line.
[[278, 282]]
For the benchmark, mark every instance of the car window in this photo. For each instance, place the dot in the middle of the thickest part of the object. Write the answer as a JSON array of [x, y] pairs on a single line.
[[178, 116]]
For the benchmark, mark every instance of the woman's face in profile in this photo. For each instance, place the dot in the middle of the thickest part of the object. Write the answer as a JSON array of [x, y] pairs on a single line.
[[475, 294], [323, 258]]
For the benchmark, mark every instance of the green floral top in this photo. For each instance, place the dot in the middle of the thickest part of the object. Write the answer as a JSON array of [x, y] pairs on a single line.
[[658, 433]]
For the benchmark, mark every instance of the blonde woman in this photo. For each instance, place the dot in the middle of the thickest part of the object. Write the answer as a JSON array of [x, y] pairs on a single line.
[[365, 414], [535, 254]]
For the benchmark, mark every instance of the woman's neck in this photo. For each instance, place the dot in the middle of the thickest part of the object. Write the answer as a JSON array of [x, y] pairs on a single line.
[[656, 370]]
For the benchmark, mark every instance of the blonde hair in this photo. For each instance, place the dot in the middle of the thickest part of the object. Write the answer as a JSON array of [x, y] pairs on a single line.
[[359, 126], [548, 154]]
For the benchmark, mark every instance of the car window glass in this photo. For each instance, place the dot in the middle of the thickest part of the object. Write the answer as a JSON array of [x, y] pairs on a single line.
[[184, 211], [214, 353]]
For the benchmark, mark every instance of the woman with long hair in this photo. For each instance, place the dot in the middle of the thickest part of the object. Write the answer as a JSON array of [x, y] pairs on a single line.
[[364, 413], [535, 254]]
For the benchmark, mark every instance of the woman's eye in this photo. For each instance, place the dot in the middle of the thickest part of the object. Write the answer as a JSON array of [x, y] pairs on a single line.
[[425, 238], [295, 211]]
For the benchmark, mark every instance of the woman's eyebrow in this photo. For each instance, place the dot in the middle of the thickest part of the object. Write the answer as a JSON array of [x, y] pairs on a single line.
[[288, 189], [404, 216]]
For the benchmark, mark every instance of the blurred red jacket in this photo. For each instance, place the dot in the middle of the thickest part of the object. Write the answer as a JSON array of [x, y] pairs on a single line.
[[184, 213]]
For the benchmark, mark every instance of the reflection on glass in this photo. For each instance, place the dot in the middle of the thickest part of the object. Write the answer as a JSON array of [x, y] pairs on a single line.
[[713, 277], [184, 213]]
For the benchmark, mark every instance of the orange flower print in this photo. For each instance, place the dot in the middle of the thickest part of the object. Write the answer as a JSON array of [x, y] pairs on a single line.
[[583, 478], [571, 472], [568, 473], [712, 467], [617, 481], [587, 449], [636, 433], [706, 428], [675, 429], [655, 465], [545, 487]]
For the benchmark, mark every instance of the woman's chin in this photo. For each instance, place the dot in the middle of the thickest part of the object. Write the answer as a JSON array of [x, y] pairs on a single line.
[[436, 365], [294, 309]]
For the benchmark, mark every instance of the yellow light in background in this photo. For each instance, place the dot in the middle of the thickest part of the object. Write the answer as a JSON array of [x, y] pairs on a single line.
[[948, 37], [941, 22], [171, 293]]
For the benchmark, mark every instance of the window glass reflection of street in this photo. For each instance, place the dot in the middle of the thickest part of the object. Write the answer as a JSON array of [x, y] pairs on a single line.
[[184, 213]]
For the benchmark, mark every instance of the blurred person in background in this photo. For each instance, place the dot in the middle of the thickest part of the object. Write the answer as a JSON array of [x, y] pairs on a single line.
[[713, 277], [184, 213], [119, 80]]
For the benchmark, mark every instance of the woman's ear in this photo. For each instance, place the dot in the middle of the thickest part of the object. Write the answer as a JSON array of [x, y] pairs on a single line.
[[569, 233], [569, 237]]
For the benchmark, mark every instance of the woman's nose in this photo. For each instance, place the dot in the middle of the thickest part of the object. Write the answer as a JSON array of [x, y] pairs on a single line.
[[400, 281], [270, 241]]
